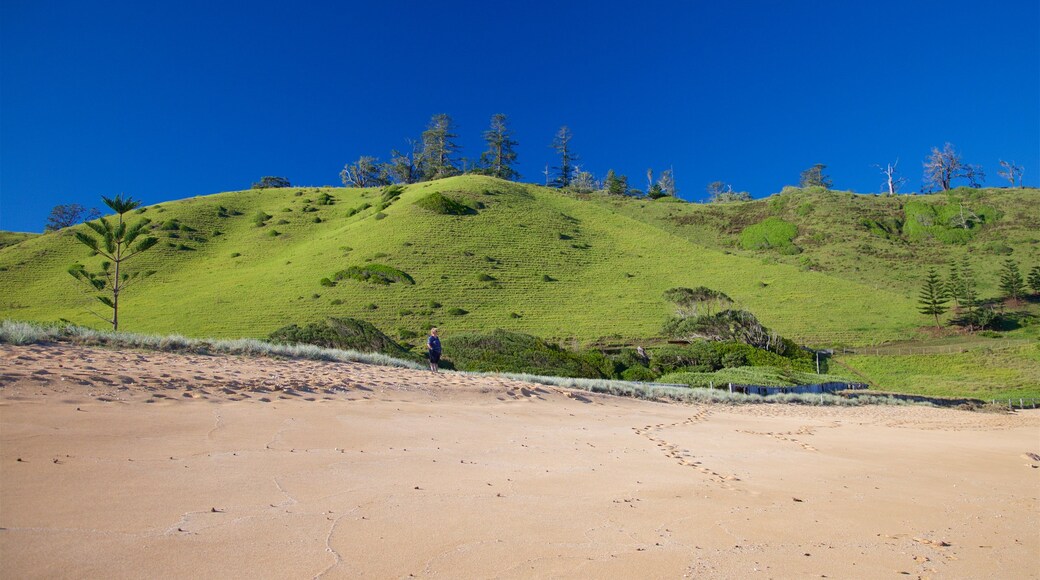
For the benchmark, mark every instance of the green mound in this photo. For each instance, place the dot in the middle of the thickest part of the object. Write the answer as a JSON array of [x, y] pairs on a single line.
[[770, 233], [374, 273], [341, 333], [503, 351], [951, 223], [439, 204]]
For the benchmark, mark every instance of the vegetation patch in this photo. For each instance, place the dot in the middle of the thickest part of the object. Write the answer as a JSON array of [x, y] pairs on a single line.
[[770, 233], [950, 223], [374, 273], [504, 351], [761, 376], [341, 333], [437, 203]]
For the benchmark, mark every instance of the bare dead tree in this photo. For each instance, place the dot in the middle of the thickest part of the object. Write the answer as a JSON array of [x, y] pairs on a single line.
[[649, 179], [942, 167], [892, 179], [1011, 172], [365, 172]]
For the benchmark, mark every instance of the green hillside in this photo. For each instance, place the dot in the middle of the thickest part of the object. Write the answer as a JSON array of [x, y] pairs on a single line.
[[486, 253]]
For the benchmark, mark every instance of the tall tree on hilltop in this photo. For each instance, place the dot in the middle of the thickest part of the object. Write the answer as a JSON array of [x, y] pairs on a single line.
[[500, 156], [405, 167], [615, 184], [116, 244], [667, 182], [63, 216], [562, 144], [933, 297], [815, 177], [439, 148], [893, 181], [365, 172], [942, 167], [1012, 286], [1011, 172]]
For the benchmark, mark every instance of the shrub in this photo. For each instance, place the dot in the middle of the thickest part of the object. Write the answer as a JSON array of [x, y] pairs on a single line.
[[504, 351], [638, 373], [457, 312], [391, 193], [434, 304], [341, 333], [548, 278], [950, 223], [236, 254], [316, 220], [380, 215], [327, 282], [260, 218], [325, 199], [274, 233], [374, 273], [771, 232], [486, 278], [171, 225], [439, 204]]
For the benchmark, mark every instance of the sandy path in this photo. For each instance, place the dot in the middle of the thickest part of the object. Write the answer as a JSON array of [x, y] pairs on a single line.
[[126, 464]]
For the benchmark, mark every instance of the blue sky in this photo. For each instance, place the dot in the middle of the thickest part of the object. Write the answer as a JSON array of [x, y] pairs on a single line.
[[169, 100]]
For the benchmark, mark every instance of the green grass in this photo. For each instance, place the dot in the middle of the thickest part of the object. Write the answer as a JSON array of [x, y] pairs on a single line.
[[568, 268], [770, 233], [984, 373], [12, 238]]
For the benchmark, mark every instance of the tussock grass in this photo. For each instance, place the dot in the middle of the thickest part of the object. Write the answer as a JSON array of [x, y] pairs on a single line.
[[667, 393], [21, 333]]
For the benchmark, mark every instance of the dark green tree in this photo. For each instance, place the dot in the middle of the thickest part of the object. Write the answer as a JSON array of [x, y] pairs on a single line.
[[115, 243], [815, 177], [405, 167], [1034, 279], [562, 144], [365, 172], [271, 181], [615, 184], [933, 297], [962, 287], [1012, 286], [439, 148], [500, 156], [63, 216]]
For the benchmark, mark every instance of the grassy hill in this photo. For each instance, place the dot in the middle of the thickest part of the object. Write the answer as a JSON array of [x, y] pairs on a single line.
[[525, 258]]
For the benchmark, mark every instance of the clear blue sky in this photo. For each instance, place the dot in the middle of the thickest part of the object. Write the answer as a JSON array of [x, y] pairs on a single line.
[[165, 100]]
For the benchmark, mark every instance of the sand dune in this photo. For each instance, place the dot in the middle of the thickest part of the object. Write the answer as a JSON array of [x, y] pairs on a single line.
[[121, 464]]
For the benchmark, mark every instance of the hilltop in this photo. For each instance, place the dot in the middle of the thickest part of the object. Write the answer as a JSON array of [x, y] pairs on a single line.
[[522, 257]]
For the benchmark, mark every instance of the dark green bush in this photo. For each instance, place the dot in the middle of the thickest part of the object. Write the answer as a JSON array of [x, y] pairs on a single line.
[[638, 373], [486, 278], [375, 273], [439, 204], [342, 333], [503, 351], [457, 312], [327, 282], [260, 218]]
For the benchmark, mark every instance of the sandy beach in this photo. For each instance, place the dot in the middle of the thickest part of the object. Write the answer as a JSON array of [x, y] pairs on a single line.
[[126, 464]]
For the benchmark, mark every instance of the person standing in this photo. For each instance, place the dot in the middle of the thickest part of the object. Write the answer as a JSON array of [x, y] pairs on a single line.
[[433, 349]]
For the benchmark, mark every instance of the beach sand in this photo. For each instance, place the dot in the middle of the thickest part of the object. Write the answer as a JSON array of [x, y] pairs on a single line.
[[127, 464]]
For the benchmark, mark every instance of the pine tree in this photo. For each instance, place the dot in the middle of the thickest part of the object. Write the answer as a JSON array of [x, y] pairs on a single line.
[[562, 144], [1034, 279], [968, 295], [439, 148], [116, 245], [933, 297], [499, 158], [1011, 284], [955, 285], [615, 184]]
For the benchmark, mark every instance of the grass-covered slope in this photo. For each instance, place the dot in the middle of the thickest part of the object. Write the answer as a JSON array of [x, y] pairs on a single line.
[[521, 257]]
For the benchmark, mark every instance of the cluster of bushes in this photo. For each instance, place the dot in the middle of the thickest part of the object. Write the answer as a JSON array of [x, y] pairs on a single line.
[[770, 233], [951, 223], [439, 204], [343, 334], [375, 273]]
